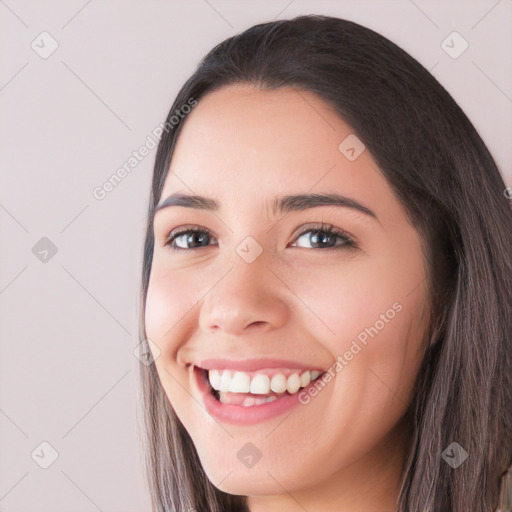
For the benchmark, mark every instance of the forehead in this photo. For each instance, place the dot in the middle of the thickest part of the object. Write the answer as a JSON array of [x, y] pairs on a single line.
[[240, 141]]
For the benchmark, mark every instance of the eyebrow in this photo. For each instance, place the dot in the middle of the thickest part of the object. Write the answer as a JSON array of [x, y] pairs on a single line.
[[281, 205]]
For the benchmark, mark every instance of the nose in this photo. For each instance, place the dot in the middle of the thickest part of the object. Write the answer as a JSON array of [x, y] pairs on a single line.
[[247, 297]]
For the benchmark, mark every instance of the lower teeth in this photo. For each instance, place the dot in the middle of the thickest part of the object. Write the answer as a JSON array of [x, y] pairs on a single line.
[[248, 401]]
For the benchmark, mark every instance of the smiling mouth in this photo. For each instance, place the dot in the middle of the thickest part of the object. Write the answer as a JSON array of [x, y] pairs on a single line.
[[250, 389]]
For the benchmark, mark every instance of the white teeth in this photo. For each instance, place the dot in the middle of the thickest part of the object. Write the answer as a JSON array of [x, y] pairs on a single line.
[[305, 379], [278, 383], [260, 385], [225, 381], [293, 383], [315, 374], [214, 377], [240, 383], [250, 401]]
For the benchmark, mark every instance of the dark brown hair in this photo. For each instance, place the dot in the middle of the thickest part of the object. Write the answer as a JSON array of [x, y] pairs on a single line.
[[452, 191]]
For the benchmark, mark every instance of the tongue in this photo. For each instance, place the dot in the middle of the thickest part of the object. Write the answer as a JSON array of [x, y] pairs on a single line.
[[227, 397]]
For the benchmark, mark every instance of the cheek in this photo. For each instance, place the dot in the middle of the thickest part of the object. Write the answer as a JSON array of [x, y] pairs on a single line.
[[343, 300], [370, 317], [168, 316], [168, 307]]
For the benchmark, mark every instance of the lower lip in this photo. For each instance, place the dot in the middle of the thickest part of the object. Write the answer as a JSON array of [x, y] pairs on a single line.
[[238, 414]]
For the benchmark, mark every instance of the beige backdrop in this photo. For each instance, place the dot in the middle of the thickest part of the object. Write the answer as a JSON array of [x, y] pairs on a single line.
[[82, 84]]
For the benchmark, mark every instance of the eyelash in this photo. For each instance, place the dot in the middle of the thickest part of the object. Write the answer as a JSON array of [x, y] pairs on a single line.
[[329, 230]]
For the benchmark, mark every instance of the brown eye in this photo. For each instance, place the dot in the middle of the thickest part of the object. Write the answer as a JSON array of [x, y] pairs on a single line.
[[325, 238], [190, 238]]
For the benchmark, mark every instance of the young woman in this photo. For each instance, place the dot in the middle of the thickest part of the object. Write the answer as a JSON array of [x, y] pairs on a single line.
[[326, 285]]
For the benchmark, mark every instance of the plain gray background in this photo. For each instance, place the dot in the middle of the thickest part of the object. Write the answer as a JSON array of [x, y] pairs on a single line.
[[69, 320]]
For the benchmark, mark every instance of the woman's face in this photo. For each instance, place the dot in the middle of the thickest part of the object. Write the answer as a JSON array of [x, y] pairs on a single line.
[[265, 295]]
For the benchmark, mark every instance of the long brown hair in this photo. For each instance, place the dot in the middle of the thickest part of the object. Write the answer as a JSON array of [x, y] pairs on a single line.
[[452, 191]]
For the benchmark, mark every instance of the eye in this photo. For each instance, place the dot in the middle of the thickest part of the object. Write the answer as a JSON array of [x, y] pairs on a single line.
[[325, 237], [320, 237], [189, 238]]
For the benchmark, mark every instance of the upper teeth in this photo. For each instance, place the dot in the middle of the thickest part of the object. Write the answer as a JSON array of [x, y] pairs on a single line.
[[260, 383]]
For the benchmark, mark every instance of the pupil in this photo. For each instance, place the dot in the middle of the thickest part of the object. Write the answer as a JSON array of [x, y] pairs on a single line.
[[319, 238], [196, 237]]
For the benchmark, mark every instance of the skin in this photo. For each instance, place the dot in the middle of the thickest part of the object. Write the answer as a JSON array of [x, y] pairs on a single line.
[[345, 449]]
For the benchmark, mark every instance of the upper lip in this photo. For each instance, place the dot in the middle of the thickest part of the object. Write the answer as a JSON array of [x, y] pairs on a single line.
[[252, 364]]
